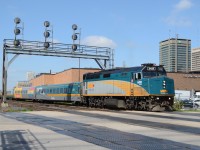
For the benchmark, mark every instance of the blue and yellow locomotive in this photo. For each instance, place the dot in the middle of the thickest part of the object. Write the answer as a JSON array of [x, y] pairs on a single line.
[[142, 88]]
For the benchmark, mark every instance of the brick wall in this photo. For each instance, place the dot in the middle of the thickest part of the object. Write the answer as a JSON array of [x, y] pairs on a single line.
[[66, 76], [43, 80], [185, 81]]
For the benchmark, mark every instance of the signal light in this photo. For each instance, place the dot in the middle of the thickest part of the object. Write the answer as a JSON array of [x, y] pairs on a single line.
[[17, 31], [74, 27], [74, 37], [17, 20], [46, 34], [46, 23], [46, 44], [74, 47], [16, 43]]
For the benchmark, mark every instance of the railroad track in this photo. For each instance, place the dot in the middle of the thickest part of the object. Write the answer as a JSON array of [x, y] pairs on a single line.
[[36, 106]]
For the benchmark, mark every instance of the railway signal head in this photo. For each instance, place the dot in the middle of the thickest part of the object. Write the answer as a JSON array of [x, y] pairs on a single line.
[[74, 27], [17, 20], [46, 23], [74, 47]]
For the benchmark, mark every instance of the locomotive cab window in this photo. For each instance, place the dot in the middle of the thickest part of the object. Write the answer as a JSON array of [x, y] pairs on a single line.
[[150, 72], [137, 76]]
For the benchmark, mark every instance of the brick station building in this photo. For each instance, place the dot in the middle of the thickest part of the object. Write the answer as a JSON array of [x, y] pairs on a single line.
[[185, 81], [66, 76]]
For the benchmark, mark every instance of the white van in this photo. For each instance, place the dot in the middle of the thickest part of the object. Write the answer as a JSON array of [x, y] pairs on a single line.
[[197, 98]]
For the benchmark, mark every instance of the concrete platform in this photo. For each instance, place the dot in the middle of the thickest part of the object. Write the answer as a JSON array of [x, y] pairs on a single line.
[[85, 130]]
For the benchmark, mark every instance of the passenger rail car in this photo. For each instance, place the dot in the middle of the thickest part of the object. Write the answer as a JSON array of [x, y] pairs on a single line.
[[143, 88], [59, 92]]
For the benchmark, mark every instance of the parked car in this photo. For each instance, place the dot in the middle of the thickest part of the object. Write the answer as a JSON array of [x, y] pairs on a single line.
[[187, 104], [197, 103]]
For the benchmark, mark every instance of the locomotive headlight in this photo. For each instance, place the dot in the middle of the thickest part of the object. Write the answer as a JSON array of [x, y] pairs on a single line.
[[164, 84]]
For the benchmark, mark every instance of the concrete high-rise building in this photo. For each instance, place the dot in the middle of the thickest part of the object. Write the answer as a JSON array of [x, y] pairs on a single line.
[[195, 59], [175, 55], [30, 75]]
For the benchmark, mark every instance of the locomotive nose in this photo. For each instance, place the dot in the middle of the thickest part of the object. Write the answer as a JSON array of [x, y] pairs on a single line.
[[167, 86], [160, 85]]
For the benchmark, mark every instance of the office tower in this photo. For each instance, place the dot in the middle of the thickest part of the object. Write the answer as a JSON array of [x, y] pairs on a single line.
[[30, 75], [195, 59], [175, 55]]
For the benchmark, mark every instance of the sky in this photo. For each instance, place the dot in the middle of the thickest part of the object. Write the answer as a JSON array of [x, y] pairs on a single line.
[[133, 28]]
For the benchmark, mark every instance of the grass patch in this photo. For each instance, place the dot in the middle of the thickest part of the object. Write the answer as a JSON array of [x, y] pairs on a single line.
[[16, 109], [189, 110]]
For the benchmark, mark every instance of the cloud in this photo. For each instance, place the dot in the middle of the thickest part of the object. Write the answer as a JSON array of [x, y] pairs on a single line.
[[183, 5], [100, 41], [175, 18]]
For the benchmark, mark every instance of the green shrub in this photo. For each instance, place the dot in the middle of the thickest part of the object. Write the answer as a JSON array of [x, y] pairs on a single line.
[[177, 105]]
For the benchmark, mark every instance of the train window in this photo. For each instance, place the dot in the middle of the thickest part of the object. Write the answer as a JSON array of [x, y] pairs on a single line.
[[58, 90], [96, 76], [69, 90], [149, 74], [50, 91], [162, 73], [54, 91], [65, 90], [84, 76], [61, 90], [137, 76], [106, 75], [90, 76]]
